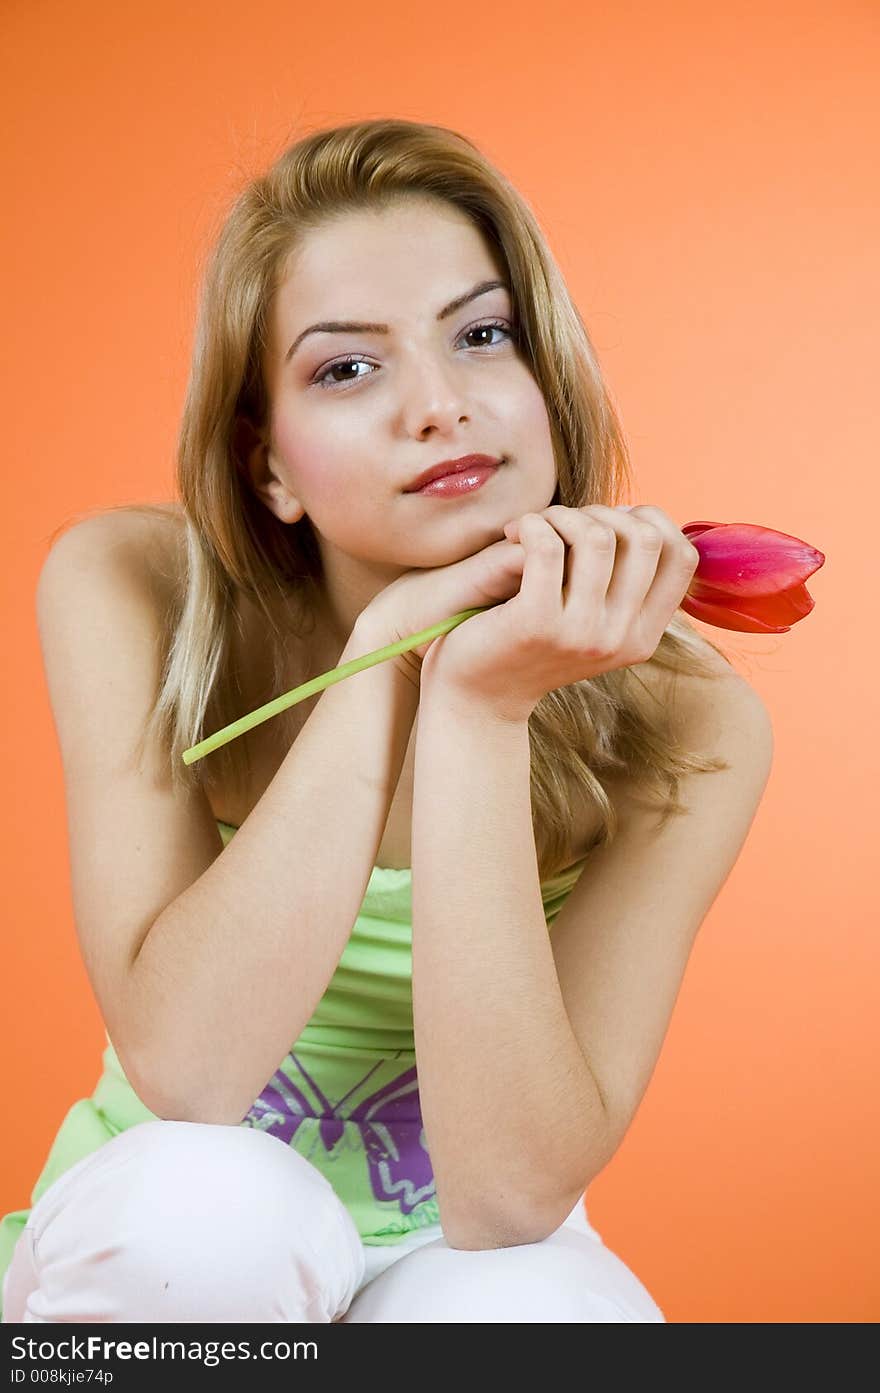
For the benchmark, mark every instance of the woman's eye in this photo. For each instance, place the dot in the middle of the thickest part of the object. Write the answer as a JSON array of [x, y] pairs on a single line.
[[324, 379], [487, 328], [321, 379]]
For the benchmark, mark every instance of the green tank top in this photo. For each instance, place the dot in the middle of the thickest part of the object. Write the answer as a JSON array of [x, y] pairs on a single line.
[[345, 1097]]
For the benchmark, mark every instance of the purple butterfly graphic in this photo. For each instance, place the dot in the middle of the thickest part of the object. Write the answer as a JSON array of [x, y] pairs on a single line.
[[389, 1123]]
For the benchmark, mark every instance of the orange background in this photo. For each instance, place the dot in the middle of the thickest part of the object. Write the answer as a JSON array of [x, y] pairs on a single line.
[[705, 181]]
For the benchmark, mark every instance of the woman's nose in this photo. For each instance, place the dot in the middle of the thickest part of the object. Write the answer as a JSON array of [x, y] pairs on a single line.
[[430, 397]]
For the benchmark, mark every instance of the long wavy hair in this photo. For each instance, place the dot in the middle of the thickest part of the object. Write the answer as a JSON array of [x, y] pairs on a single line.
[[611, 724]]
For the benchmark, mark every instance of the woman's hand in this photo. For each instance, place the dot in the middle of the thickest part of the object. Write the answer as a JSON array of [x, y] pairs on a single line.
[[599, 586], [419, 599]]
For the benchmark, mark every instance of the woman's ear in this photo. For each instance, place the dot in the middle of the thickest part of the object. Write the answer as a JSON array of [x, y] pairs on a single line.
[[253, 456], [245, 438]]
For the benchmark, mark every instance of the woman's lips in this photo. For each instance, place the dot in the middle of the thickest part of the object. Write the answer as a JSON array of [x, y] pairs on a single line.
[[466, 481]]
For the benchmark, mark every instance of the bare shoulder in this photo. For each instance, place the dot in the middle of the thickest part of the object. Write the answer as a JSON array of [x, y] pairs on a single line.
[[723, 716], [684, 695], [147, 540], [712, 713], [704, 703]]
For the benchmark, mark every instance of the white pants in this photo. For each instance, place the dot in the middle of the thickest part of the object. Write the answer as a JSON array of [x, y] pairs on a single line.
[[196, 1222]]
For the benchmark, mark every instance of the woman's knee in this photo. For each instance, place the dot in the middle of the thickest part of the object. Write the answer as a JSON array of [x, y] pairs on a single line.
[[187, 1221], [229, 1180], [568, 1277]]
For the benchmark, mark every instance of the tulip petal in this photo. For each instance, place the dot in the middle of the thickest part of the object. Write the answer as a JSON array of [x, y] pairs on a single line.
[[744, 559], [691, 529], [725, 618], [772, 614]]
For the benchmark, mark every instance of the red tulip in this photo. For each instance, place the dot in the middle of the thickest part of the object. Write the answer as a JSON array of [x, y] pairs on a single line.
[[748, 577]]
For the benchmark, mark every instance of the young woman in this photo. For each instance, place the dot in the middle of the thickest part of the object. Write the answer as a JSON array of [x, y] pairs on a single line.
[[442, 878]]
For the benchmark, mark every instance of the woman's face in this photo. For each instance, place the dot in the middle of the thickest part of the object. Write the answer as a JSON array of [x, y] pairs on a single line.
[[357, 414]]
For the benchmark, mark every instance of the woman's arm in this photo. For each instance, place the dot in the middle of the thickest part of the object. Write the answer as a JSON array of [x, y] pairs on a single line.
[[205, 962], [503, 1083], [533, 1053], [231, 972]]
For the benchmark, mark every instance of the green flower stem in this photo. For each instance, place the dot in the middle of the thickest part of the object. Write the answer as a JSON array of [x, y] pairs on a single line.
[[317, 684]]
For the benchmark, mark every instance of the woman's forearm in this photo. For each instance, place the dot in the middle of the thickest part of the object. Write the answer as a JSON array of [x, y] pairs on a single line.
[[508, 1101], [232, 970]]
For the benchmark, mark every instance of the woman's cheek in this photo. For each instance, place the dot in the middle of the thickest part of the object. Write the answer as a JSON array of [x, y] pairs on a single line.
[[537, 435], [310, 467]]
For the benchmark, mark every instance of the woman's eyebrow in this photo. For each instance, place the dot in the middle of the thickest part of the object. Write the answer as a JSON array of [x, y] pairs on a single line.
[[351, 326]]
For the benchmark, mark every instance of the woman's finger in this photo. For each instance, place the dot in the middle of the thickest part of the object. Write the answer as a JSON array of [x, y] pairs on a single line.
[[676, 565], [640, 554], [614, 612], [543, 571], [592, 547]]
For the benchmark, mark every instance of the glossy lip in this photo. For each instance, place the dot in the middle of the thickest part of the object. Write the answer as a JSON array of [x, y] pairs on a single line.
[[456, 485], [451, 466]]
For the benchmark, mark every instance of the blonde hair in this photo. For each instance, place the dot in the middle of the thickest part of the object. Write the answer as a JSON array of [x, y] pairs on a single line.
[[609, 724]]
